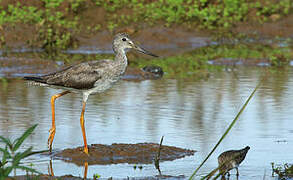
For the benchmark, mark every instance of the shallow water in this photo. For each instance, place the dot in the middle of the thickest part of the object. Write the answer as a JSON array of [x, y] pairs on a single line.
[[190, 114]]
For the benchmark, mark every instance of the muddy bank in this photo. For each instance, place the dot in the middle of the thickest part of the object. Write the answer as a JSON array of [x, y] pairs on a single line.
[[141, 153], [166, 41], [158, 39], [281, 27], [171, 41], [56, 26]]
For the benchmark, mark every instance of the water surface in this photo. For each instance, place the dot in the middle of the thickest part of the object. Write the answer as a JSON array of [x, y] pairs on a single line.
[[189, 113]]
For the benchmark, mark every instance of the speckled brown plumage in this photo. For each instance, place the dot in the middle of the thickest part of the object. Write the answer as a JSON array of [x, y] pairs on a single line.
[[231, 159], [81, 76]]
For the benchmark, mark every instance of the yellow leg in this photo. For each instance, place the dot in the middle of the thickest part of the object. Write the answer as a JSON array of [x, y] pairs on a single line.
[[83, 129], [85, 170], [53, 128], [50, 171]]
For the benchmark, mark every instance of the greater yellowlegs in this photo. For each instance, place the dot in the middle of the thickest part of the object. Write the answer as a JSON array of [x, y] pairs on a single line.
[[231, 159], [88, 78]]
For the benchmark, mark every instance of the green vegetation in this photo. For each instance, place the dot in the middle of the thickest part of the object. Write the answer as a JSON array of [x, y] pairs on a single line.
[[55, 24], [284, 172], [207, 14], [11, 157], [135, 167], [96, 176], [4, 81]]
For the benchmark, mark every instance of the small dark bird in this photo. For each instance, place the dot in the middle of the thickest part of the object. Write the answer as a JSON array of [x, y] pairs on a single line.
[[231, 159], [153, 71], [88, 78]]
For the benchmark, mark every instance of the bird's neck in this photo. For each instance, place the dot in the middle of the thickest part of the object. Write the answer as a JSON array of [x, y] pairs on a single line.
[[121, 58]]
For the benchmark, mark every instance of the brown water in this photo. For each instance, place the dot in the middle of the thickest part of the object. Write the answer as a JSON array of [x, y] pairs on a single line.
[[190, 114]]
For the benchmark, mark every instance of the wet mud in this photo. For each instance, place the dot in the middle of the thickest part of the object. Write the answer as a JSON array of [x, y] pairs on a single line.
[[141, 153], [178, 39], [273, 28]]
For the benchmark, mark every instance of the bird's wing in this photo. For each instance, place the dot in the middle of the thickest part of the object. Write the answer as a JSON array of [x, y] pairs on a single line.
[[80, 76]]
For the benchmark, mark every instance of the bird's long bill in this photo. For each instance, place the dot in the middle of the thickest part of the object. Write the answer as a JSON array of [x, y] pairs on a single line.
[[143, 51]]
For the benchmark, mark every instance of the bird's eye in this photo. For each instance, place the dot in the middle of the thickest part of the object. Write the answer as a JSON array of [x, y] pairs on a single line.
[[123, 39]]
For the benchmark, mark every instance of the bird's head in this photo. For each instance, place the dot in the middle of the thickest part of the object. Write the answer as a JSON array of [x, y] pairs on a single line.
[[123, 42]]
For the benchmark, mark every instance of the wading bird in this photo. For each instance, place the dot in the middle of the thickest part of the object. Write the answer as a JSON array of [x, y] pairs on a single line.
[[88, 78], [231, 159]]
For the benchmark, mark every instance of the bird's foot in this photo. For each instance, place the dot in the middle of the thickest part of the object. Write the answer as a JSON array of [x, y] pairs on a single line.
[[51, 138], [85, 150]]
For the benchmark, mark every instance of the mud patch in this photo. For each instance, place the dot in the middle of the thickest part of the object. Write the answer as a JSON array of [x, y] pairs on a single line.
[[141, 153]]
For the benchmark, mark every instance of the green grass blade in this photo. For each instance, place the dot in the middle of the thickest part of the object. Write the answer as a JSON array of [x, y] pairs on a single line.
[[3, 150], [20, 140], [211, 173], [6, 141], [6, 155], [227, 131], [38, 152], [19, 156], [7, 171], [218, 175]]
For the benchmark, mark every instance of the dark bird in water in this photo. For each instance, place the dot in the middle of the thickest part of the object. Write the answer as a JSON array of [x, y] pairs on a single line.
[[88, 78], [231, 159], [155, 71]]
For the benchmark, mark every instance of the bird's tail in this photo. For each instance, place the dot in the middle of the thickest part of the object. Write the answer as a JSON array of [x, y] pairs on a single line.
[[32, 78]]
